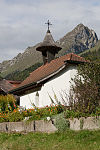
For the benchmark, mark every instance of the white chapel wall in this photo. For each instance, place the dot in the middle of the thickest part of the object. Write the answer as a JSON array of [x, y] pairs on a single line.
[[58, 85]]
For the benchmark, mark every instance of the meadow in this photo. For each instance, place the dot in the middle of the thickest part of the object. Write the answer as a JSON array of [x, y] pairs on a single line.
[[68, 140]]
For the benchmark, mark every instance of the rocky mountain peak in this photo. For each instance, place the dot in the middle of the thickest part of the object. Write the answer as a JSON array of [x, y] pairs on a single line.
[[80, 26], [79, 39]]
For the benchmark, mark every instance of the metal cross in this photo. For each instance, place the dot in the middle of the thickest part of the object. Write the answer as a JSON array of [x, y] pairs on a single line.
[[48, 23]]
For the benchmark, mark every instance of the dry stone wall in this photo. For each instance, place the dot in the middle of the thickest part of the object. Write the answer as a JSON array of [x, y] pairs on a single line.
[[30, 126], [90, 123]]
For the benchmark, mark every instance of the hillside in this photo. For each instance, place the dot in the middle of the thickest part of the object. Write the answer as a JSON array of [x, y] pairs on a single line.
[[22, 75], [21, 61], [78, 40], [92, 54]]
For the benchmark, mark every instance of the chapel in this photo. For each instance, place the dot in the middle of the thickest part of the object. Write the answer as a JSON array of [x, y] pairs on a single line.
[[52, 79]]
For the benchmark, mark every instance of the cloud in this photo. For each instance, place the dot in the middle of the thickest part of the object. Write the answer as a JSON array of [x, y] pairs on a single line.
[[22, 22]]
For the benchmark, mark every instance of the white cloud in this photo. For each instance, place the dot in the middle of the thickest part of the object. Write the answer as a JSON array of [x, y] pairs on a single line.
[[22, 22]]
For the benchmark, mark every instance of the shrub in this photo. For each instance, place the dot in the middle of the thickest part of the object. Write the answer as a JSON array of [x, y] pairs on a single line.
[[11, 117], [15, 116], [61, 123], [85, 93], [7, 103]]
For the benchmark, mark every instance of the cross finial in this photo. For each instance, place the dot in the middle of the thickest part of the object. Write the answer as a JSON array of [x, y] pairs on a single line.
[[48, 23]]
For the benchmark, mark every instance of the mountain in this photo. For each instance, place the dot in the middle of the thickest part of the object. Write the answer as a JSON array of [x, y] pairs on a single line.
[[22, 75], [92, 54], [78, 40]]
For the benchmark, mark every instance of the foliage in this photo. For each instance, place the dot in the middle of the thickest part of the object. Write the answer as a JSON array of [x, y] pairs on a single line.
[[98, 111], [85, 93], [52, 112], [22, 75], [33, 114], [11, 117], [70, 140], [76, 114], [7, 103], [39, 113], [73, 114], [92, 55], [61, 123], [11, 113]]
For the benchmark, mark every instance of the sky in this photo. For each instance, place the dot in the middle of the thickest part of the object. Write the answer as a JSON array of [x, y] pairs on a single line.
[[22, 22]]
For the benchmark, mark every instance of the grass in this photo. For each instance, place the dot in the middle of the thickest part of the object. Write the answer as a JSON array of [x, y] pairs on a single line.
[[69, 140]]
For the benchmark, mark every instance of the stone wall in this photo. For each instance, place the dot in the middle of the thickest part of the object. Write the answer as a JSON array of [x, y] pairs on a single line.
[[90, 123], [31, 126]]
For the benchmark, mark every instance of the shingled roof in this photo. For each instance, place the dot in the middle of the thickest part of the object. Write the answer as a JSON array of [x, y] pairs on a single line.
[[48, 42], [5, 85], [50, 69]]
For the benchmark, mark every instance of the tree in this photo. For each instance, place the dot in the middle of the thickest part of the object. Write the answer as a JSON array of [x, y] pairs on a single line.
[[85, 93]]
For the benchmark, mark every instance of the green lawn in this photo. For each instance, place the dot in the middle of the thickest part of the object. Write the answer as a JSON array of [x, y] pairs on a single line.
[[69, 140]]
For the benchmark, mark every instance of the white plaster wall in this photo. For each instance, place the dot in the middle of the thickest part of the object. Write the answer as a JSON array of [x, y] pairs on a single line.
[[58, 85], [28, 100]]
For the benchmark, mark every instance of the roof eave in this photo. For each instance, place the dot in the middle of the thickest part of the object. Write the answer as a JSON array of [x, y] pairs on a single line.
[[51, 75], [3, 90], [21, 88], [45, 47], [13, 91], [76, 62]]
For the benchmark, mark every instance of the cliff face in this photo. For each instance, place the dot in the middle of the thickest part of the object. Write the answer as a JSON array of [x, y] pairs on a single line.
[[78, 40]]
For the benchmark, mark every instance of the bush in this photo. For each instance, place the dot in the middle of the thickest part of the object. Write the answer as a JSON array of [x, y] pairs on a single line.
[[76, 114], [7, 103], [85, 93], [61, 123], [11, 117]]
